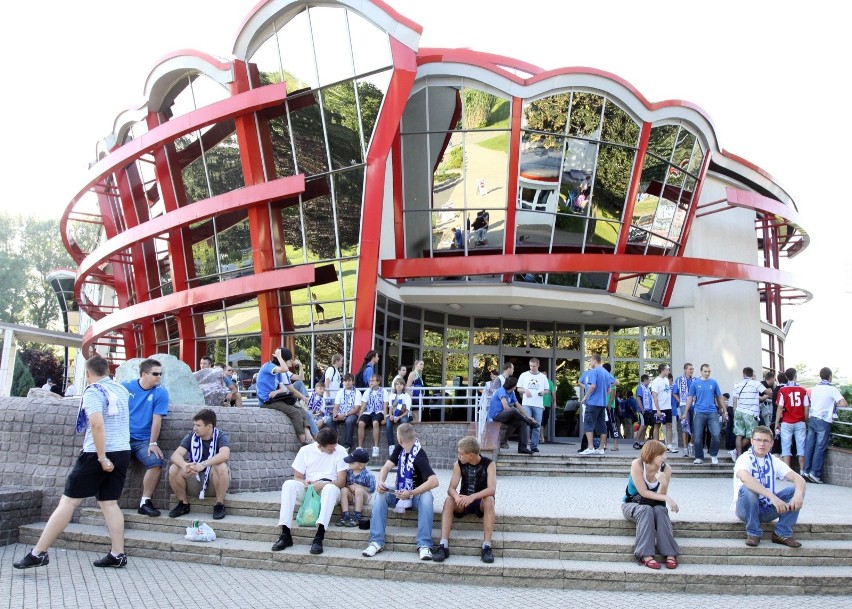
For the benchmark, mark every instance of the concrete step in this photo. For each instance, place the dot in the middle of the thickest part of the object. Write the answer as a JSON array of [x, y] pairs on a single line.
[[609, 459], [600, 471], [534, 545], [245, 519], [402, 563]]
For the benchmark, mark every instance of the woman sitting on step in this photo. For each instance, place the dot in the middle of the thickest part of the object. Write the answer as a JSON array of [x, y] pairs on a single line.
[[644, 503]]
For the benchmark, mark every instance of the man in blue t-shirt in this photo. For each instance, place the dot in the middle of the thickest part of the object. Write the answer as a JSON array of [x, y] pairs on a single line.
[[149, 403], [597, 384], [502, 409], [705, 398], [273, 374]]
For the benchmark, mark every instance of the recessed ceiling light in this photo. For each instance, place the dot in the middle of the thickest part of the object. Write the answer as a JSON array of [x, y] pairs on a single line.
[[516, 307], [454, 306], [587, 313], [620, 319]]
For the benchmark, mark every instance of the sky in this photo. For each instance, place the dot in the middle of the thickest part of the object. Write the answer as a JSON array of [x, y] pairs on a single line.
[[771, 76]]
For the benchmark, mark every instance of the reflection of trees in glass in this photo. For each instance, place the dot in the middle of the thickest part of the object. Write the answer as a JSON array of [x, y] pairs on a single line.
[[223, 167], [597, 345], [657, 348], [235, 245], [612, 180], [477, 108], [586, 115]]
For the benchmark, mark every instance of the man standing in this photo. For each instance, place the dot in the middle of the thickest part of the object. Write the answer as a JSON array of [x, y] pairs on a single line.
[[756, 500], [680, 393], [646, 411], [471, 491], [322, 466], [333, 381], [534, 386], [824, 397], [149, 403], [767, 402], [662, 394], [100, 469], [793, 410], [273, 374], [415, 480], [746, 403], [705, 400], [595, 400], [208, 449]]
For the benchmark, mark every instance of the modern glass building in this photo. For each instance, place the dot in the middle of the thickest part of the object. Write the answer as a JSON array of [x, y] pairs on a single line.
[[337, 188]]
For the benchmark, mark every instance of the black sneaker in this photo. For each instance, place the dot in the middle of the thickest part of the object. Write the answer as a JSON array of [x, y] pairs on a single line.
[[504, 445], [535, 450], [30, 561], [148, 509], [316, 546], [285, 540], [487, 556], [219, 511], [440, 553], [179, 510], [116, 562]]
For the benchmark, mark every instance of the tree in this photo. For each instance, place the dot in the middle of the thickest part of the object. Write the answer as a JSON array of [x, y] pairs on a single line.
[[22, 380], [42, 363]]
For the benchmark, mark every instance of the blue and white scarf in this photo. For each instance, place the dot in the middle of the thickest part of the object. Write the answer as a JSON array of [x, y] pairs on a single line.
[[405, 475], [348, 402], [765, 474], [375, 401], [316, 404], [195, 449], [110, 404]]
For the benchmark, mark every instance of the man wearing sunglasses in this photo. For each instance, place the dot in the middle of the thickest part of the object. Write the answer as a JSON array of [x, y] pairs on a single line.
[[149, 403]]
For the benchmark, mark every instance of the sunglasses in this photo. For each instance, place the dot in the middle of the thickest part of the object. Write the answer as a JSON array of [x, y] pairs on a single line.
[[155, 373]]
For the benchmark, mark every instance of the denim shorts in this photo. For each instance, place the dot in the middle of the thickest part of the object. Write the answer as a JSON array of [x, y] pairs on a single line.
[[594, 420], [139, 448], [788, 430]]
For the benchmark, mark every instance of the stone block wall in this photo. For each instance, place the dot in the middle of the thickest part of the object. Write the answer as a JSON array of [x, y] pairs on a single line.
[[18, 506], [838, 466]]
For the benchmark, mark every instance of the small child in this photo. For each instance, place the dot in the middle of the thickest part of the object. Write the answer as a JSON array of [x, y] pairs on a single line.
[[372, 409], [360, 486], [316, 407], [397, 409]]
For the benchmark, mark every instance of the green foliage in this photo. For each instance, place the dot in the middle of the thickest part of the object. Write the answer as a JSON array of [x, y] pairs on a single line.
[[477, 108], [22, 380], [838, 428], [564, 392]]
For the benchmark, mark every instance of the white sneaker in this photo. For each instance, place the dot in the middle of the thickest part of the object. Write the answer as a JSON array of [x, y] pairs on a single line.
[[375, 451], [588, 451], [600, 451], [425, 553], [733, 453], [371, 550], [714, 460], [671, 449], [690, 450], [698, 462], [391, 447]]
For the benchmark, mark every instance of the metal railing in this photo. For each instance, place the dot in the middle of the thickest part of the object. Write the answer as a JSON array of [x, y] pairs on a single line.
[[845, 425]]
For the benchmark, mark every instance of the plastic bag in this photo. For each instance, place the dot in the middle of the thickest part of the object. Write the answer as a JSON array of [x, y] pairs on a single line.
[[309, 512], [200, 532]]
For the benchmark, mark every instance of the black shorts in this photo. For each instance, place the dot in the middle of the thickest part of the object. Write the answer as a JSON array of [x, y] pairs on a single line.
[[474, 508], [370, 418], [666, 416], [88, 479]]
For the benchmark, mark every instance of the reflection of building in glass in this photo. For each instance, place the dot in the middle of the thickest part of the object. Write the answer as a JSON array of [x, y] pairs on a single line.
[[326, 189]]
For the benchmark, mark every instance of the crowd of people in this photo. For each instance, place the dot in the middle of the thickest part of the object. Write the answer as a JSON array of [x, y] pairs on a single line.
[[122, 421]]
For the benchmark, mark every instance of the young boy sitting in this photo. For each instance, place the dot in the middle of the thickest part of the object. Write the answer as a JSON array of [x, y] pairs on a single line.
[[360, 486], [372, 412], [316, 407], [478, 478]]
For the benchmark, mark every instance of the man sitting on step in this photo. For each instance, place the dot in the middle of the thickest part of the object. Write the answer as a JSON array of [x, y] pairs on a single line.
[[478, 478], [756, 500], [208, 449], [322, 465]]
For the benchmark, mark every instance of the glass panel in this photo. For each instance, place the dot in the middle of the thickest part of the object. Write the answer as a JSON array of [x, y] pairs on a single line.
[[645, 286], [213, 323], [541, 157], [343, 125], [697, 159], [294, 248], [203, 250], [598, 343], [568, 280], [414, 118], [447, 231], [627, 373], [331, 44], [295, 43], [683, 149], [603, 233], [411, 332], [487, 168], [595, 281], [267, 61], [371, 92], [630, 331], [434, 316], [448, 179], [577, 167], [657, 349], [662, 140], [483, 365], [416, 172], [282, 149], [549, 114], [417, 234], [433, 368], [318, 219], [194, 175], [586, 110], [348, 189], [483, 110], [224, 166], [380, 323], [458, 339], [414, 313], [514, 333], [657, 331], [541, 341], [393, 328], [567, 343], [370, 45], [612, 179], [433, 336], [566, 376], [308, 134], [626, 348], [618, 126], [234, 241]]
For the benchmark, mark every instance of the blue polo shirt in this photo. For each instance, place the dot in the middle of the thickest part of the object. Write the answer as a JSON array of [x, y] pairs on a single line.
[[267, 382], [704, 394], [496, 405], [602, 380], [144, 404]]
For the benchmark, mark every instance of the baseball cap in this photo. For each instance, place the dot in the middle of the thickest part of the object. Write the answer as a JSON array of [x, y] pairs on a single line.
[[359, 454]]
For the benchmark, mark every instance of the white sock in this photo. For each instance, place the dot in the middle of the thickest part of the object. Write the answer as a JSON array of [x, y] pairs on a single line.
[[144, 499], [445, 543]]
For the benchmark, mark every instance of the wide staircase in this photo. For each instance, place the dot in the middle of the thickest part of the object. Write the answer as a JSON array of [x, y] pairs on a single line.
[[548, 463], [531, 550]]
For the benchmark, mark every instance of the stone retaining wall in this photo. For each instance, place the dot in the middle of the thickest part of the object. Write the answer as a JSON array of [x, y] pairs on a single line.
[[838, 466], [18, 506]]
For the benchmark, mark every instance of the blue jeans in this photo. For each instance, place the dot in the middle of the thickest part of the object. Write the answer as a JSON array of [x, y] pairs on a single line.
[[389, 429], [816, 445], [348, 430], [538, 414], [711, 420], [379, 518], [753, 513]]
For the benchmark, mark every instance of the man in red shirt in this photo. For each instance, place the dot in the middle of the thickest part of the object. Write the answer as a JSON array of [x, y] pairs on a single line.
[[793, 410]]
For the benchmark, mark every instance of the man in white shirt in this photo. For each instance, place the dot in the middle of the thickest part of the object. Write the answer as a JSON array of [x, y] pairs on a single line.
[[533, 386], [824, 397], [756, 499], [746, 398], [333, 380], [322, 466], [661, 391]]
